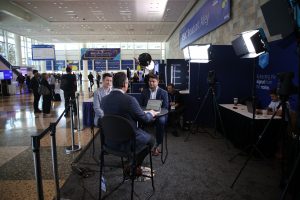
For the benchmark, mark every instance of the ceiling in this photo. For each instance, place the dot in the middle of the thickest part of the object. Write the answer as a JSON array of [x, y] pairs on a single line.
[[54, 21]]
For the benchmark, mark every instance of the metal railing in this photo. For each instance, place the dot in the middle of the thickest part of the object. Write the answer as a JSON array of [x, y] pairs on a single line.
[[35, 143]]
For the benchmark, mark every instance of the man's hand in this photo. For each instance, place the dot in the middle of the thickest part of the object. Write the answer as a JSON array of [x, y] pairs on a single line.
[[152, 112]]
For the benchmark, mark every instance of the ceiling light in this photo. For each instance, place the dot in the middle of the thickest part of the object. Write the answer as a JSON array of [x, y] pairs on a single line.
[[28, 3], [35, 7]]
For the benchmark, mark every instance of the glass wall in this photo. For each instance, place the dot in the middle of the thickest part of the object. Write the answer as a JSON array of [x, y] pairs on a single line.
[[72, 51]]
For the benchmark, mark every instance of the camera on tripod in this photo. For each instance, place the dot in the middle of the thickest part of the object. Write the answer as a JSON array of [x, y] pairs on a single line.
[[286, 86], [211, 78]]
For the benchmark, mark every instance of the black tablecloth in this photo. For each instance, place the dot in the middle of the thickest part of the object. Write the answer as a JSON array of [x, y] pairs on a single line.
[[239, 130]]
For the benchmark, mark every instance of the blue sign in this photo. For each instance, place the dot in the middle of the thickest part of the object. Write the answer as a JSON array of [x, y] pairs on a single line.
[[59, 65], [126, 64], [6, 74], [100, 65], [101, 53], [48, 65], [113, 65], [210, 16]]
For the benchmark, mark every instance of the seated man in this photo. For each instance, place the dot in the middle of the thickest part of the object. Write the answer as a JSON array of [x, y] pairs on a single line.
[[272, 107], [99, 94], [117, 102], [176, 107], [154, 92]]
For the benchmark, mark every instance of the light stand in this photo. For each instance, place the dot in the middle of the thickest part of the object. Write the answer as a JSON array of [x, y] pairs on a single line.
[[250, 44]]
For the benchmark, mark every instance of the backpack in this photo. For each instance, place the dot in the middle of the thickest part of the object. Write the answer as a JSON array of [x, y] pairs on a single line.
[[43, 90]]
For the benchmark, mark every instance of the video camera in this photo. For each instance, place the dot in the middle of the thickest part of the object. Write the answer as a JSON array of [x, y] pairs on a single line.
[[286, 86], [211, 78]]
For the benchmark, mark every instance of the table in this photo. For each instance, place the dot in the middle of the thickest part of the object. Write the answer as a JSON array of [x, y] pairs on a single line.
[[88, 112], [238, 127]]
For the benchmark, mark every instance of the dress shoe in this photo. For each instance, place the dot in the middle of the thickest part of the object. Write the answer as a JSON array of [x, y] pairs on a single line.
[[138, 171], [37, 111], [156, 151]]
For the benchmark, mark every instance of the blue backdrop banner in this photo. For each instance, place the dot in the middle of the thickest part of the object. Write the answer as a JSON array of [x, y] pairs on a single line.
[[210, 16], [100, 65], [113, 64], [127, 64], [101, 53], [59, 65]]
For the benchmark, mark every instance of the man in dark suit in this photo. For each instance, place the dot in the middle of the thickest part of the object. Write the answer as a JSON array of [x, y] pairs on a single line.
[[34, 85], [117, 102], [154, 92], [69, 86]]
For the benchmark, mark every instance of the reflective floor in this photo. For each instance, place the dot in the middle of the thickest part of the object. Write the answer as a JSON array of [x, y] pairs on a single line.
[[17, 123]]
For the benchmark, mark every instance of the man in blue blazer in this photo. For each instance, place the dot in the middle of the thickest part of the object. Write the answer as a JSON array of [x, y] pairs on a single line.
[[154, 92], [117, 102]]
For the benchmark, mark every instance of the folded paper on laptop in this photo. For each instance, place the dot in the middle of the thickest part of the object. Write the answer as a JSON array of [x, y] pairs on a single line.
[[154, 104]]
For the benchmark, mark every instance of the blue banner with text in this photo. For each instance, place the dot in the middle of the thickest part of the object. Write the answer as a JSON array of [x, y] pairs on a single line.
[[210, 16]]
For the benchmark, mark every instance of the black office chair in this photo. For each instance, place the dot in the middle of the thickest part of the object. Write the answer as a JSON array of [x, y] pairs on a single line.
[[119, 130]]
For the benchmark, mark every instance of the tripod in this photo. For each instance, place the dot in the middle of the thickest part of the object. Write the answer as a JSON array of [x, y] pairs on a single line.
[[211, 90], [254, 146]]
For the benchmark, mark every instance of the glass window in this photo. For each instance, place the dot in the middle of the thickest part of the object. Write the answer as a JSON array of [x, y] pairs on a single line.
[[2, 49], [130, 45], [59, 46], [113, 45], [140, 45], [10, 35], [11, 54], [100, 45], [11, 40], [154, 45], [72, 46], [123, 45]]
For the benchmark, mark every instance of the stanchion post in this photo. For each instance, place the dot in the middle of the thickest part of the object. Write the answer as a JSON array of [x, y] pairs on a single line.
[[54, 158], [73, 148], [35, 143], [78, 118]]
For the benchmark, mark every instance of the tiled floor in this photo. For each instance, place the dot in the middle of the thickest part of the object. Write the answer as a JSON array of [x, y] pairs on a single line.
[[17, 124]]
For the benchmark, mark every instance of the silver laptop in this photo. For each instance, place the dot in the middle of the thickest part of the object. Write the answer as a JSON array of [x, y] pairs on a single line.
[[249, 106], [154, 104]]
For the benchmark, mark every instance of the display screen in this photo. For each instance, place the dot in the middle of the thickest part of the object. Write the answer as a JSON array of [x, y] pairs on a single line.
[[43, 52], [6, 74]]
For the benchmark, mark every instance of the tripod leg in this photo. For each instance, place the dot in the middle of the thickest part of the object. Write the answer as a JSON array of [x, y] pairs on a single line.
[[243, 167], [196, 117], [253, 147], [290, 178]]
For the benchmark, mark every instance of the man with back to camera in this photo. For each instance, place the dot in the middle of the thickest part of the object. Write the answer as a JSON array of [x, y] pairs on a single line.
[[99, 94], [154, 92], [117, 102], [91, 79], [34, 85], [69, 85]]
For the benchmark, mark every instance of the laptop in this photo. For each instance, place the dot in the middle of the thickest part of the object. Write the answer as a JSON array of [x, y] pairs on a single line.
[[154, 104], [249, 106]]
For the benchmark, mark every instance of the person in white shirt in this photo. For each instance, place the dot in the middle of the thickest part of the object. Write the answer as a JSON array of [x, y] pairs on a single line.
[[99, 94]]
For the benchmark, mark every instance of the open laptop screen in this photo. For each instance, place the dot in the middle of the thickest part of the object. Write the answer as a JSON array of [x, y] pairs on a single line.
[[154, 104]]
